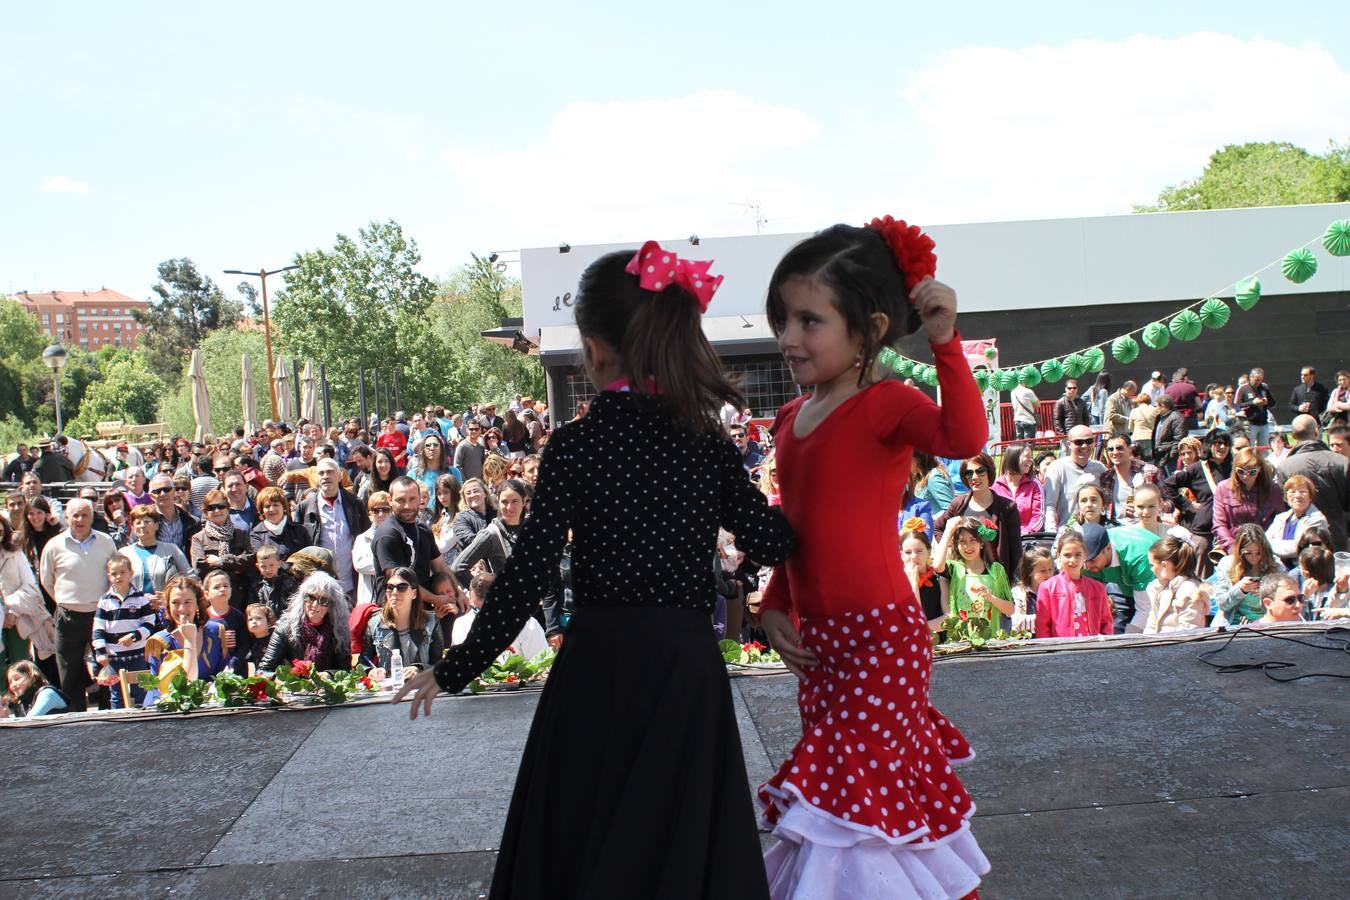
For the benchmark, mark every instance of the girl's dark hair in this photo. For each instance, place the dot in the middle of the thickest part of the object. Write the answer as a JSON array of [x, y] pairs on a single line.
[[1103, 381], [515, 484], [1319, 563], [9, 541], [446, 482], [388, 606], [858, 265], [659, 338], [1012, 458], [1216, 436], [971, 525], [1027, 567], [1176, 551], [376, 482], [1318, 533]]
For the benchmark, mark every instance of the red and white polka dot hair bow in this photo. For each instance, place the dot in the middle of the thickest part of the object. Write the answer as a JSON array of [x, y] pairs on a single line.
[[657, 269]]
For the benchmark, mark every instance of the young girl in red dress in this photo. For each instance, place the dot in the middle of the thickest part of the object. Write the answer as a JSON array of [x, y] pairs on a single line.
[[866, 804]]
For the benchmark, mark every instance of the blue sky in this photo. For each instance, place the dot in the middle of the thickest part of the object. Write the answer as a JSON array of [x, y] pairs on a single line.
[[240, 135]]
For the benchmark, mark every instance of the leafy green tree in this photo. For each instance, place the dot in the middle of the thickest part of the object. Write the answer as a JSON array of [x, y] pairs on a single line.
[[1261, 174], [221, 354], [474, 300], [360, 305], [35, 383], [19, 334], [188, 306], [128, 391]]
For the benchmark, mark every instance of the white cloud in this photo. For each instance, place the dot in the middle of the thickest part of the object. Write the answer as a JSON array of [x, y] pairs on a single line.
[[1092, 127], [610, 171], [60, 184]]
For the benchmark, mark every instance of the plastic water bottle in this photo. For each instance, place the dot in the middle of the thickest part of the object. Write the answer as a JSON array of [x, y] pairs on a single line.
[[396, 669]]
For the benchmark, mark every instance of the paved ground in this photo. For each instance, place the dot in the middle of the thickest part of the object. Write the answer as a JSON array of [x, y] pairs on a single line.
[[1127, 773]]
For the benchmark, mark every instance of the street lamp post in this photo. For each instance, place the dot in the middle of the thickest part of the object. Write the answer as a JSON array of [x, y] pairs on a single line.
[[55, 357], [262, 274]]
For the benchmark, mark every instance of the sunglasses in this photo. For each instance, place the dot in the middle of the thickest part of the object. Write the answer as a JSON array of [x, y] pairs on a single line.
[[1117, 449], [398, 586], [1246, 473], [979, 471], [1082, 442], [1313, 544], [380, 509], [216, 507], [162, 490], [319, 601]]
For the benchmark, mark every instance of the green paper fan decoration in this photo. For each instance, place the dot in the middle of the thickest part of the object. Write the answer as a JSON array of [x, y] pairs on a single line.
[[1299, 265], [1156, 336], [1096, 359], [1005, 379], [930, 376], [1030, 376], [1337, 238], [887, 357], [1248, 293], [1185, 325], [1214, 313], [990, 353], [904, 365], [1125, 350], [982, 379], [1075, 364], [1052, 370]]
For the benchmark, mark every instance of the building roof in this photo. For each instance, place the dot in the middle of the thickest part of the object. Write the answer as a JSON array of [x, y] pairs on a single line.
[[100, 297]]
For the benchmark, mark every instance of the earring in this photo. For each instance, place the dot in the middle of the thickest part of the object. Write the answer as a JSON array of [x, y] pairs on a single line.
[[857, 361]]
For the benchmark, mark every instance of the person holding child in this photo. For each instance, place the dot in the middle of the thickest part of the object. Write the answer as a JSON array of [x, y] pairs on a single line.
[[221, 546], [993, 510], [864, 649]]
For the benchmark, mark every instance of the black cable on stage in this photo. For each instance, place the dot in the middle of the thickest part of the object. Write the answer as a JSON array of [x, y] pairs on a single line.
[[1266, 667]]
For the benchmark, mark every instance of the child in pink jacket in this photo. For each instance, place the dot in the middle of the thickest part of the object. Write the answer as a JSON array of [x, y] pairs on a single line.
[[1069, 605]]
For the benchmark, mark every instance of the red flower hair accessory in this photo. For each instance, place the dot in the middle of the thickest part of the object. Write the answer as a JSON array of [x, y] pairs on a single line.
[[988, 530], [657, 269], [912, 248]]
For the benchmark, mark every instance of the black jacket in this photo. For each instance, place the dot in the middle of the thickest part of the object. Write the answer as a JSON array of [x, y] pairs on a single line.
[[1069, 413], [285, 647], [358, 520], [291, 539], [1315, 395], [1167, 434]]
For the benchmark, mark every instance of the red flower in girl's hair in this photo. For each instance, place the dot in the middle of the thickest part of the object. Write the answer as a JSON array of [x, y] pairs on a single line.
[[302, 668], [912, 248]]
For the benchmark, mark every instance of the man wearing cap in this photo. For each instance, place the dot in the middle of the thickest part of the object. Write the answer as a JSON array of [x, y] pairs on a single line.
[[54, 466], [15, 469], [489, 418], [1119, 559], [1067, 473]]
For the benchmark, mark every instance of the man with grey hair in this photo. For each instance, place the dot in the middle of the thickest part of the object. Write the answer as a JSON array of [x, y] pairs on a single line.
[[73, 570], [1326, 469], [1067, 473], [333, 517], [177, 525]]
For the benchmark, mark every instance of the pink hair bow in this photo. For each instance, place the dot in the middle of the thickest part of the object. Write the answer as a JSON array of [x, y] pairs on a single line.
[[657, 269]]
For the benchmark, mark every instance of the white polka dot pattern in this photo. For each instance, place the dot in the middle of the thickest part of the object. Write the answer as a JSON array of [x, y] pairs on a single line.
[[644, 502]]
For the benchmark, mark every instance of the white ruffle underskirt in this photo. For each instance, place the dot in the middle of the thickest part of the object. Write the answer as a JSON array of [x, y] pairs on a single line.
[[820, 858]]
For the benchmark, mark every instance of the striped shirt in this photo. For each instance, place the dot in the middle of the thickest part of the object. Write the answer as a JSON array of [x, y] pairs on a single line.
[[119, 616]]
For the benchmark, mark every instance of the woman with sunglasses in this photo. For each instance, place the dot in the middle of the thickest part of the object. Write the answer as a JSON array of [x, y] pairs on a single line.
[[314, 627], [430, 463], [1250, 496], [980, 502], [404, 624], [1124, 472], [220, 545]]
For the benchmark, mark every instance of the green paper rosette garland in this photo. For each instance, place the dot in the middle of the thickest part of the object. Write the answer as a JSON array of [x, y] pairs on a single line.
[[1125, 350], [1156, 336], [1185, 325], [1299, 265], [1248, 293], [1337, 238], [1214, 313], [1052, 370], [1030, 376]]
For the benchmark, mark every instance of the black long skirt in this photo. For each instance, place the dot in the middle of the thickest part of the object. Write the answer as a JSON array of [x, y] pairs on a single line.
[[633, 783]]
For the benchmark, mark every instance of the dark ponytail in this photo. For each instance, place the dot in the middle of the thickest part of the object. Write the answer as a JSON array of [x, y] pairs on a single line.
[[660, 341]]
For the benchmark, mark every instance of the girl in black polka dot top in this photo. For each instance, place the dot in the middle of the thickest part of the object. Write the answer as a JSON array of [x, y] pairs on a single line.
[[632, 782]]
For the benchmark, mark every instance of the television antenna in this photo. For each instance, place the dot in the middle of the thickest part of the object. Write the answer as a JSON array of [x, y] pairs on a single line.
[[753, 206]]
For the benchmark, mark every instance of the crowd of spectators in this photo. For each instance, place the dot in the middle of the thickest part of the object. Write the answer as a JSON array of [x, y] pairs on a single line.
[[1150, 510]]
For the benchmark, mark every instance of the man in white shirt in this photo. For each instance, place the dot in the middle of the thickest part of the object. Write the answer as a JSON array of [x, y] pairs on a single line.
[[1026, 407], [74, 571], [1067, 473]]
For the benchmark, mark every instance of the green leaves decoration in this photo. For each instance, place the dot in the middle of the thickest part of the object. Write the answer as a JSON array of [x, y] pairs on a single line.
[[1156, 336], [1299, 265], [1075, 364], [1337, 238], [1030, 376], [1248, 293], [1214, 313], [1125, 349], [1052, 370], [1185, 325], [1096, 359]]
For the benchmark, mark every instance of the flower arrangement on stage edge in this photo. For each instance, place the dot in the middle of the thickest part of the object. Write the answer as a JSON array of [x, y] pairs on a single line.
[[301, 677], [182, 696], [513, 671], [973, 627], [747, 654], [230, 689]]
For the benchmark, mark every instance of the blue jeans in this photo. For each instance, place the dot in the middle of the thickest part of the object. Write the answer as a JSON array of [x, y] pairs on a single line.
[[1260, 435], [1024, 431], [126, 662]]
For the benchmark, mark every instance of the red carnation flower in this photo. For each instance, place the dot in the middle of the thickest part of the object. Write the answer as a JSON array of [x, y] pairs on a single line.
[[512, 679], [367, 683], [258, 690], [912, 248], [963, 614], [302, 668]]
